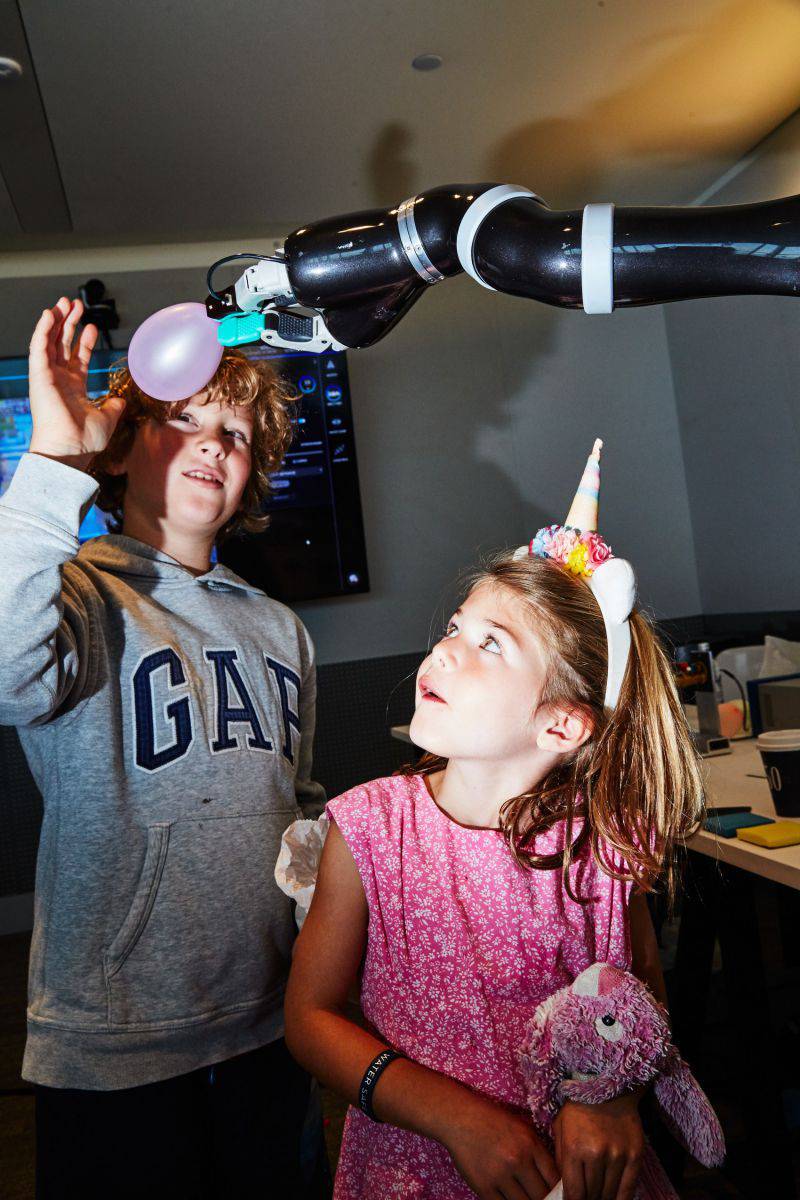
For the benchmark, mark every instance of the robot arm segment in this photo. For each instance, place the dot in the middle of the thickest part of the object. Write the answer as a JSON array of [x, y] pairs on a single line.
[[346, 281], [606, 257]]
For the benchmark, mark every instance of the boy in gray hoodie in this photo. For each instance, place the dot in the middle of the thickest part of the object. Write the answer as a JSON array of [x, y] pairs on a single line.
[[166, 709]]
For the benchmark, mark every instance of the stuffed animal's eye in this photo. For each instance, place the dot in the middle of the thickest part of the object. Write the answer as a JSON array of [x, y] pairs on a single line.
[[609, 1028]]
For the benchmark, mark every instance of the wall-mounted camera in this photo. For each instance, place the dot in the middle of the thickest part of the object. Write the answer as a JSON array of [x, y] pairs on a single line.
[[99, 310]]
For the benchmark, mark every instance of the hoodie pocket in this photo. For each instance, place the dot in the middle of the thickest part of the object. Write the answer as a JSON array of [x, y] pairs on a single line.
[[207, 930]]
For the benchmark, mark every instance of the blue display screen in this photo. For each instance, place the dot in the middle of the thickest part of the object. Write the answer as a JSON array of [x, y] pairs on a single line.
[[15, 420], [314, 546]]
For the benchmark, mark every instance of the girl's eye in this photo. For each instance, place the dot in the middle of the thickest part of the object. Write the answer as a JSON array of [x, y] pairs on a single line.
[[184, 416], [491, 644], [451, 630], [238, 434]]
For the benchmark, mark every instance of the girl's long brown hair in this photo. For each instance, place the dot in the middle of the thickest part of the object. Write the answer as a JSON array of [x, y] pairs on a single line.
[[634, 788]]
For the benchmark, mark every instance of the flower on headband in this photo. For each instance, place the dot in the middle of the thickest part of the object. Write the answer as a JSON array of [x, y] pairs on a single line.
[[581, 553], [562, 543], [599, 551], [542, 541], [577, 562]]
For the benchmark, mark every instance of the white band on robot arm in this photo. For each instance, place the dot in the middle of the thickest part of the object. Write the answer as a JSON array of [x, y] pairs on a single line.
[[597, 258], [474, 217]]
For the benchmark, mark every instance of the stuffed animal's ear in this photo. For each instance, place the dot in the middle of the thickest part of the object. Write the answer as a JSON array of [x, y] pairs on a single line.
[[540, 1070], [541, 1085], [688, 1113]]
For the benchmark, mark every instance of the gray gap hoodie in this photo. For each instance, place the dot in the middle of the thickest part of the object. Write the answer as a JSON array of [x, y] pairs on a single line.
[[168, 721]]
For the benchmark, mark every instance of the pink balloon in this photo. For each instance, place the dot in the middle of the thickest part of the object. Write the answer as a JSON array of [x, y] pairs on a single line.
[[175, 353]]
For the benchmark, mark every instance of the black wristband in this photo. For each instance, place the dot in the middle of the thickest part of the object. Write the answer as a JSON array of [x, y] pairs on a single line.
[[371, 1077]]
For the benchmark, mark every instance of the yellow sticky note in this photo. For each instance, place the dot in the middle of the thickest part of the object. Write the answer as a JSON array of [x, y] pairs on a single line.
[[781, 833]]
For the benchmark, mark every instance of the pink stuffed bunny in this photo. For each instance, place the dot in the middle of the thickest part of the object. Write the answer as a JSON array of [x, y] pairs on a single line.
[[606, 1034]]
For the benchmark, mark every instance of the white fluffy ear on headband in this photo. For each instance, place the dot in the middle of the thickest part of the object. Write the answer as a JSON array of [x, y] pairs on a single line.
[[614, 588]]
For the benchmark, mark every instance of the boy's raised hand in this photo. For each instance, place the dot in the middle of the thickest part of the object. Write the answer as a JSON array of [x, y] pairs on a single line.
[[67, 425]]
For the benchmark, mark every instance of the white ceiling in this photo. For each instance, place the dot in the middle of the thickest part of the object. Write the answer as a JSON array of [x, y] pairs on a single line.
[[186, 119]]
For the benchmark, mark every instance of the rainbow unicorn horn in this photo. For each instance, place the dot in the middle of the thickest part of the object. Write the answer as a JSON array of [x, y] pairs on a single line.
[[584, 511]]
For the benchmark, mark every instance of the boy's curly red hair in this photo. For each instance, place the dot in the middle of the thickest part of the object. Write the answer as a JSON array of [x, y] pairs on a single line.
[[239, 381]]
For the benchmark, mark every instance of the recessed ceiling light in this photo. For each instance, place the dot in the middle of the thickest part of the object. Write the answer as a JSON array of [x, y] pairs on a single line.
[[427, 62], [9, 68]]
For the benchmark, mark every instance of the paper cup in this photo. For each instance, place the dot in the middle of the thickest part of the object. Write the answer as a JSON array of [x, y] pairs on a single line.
[[780, 753]]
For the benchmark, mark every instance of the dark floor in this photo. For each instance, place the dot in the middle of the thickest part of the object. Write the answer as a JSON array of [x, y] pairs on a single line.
[[16, 1101]]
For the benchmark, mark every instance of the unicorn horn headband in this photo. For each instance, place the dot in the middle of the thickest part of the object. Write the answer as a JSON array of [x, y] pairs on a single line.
[[578, 547]]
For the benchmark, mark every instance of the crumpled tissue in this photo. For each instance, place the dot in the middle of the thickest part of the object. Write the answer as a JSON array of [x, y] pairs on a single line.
[[298, 863]]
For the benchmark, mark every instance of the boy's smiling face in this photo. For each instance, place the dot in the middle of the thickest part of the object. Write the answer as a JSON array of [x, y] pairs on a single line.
[[187, 475]]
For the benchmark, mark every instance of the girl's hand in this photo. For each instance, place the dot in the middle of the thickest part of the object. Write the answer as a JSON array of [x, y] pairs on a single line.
[[498, 1153], [599, 1149], [67, 425]]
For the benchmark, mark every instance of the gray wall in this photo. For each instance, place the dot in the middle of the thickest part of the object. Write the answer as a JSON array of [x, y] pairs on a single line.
[[473, 420], [736, 368]]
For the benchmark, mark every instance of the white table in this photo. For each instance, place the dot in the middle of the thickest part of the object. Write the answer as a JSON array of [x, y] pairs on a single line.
[[738, 778]]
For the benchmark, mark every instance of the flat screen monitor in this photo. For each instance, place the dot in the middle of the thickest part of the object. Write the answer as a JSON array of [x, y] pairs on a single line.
[[15, 421], [314, 545]]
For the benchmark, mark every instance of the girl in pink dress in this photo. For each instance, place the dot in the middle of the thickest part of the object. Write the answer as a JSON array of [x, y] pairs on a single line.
[[559, 772]]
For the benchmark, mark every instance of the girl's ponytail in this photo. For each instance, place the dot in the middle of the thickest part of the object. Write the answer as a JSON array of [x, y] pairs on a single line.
[[644, 788]]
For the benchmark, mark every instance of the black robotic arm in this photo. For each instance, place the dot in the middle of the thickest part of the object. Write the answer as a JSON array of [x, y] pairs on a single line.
[[346, 281]]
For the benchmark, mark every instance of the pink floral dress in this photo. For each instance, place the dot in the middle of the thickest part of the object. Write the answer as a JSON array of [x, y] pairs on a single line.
[[463, 944]]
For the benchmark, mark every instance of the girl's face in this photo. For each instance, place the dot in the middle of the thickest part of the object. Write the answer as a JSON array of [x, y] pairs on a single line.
[[479, 688]]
